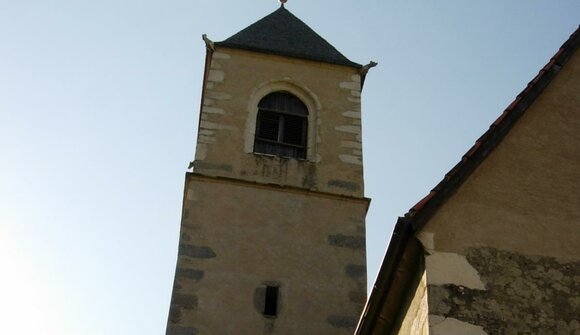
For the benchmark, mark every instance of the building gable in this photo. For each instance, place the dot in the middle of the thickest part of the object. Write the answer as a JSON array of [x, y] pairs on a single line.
[[526, 164]]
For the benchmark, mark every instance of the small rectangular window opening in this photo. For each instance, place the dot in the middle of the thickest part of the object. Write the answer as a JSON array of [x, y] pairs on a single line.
[[271, 301]]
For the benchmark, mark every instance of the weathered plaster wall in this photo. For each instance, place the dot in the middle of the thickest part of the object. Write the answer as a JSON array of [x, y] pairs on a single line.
[[524, 294], [238, 79], [504, 250], [237, 237]]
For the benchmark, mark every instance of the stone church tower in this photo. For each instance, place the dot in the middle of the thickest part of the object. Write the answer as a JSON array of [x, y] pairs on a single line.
[[273, 223]]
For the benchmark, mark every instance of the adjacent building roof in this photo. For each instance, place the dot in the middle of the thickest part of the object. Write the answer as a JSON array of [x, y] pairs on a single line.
[[495, 134], [282, 33], [379, 315]]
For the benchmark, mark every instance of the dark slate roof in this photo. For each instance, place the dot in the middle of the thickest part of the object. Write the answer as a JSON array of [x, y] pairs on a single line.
[[282, 33]]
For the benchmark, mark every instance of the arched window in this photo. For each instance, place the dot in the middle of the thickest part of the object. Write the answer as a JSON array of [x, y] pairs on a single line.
[[281, 126]]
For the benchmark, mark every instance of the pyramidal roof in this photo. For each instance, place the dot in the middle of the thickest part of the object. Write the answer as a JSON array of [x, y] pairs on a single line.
[[282, 33]]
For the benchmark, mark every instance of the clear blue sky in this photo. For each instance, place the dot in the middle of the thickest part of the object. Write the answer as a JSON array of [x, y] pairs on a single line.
[[98, 108]]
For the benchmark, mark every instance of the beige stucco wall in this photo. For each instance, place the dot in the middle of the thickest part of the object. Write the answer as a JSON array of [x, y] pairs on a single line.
[[415, 321], [504, 251], [237, 237], [236, 82]]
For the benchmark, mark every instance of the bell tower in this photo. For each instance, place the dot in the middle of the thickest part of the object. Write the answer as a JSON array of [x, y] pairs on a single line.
[[273, 225]]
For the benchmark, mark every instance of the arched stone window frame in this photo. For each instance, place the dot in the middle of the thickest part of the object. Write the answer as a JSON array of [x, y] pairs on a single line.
[[299, 91]]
